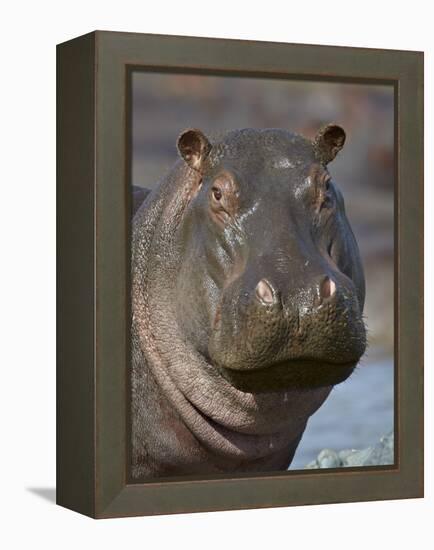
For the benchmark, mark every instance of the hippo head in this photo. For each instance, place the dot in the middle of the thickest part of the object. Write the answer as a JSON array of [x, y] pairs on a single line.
[[271, 286]]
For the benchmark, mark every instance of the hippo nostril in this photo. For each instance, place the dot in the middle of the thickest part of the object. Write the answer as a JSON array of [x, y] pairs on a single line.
[[264, 292], [327, 288]]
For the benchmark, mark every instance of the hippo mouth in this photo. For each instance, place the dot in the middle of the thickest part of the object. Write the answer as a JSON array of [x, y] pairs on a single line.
[[296, 374]]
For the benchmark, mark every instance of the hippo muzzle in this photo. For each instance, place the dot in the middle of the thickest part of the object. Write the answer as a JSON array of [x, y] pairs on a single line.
[[267, 339]]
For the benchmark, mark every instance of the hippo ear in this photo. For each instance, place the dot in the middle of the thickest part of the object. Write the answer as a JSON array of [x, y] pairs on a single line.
[[194, 148], [328, 142]]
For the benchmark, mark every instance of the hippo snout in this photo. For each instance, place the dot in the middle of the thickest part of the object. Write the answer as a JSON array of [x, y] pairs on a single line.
[[277, 336]]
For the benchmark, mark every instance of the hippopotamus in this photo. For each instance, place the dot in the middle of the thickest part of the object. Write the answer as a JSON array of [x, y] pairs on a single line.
[[247, 302]]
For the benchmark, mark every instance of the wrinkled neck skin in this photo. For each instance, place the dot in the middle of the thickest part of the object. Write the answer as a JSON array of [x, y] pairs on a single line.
[[235, 427]]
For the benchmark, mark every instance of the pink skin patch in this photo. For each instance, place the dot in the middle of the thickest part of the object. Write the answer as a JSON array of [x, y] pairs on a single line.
[[264, 292]]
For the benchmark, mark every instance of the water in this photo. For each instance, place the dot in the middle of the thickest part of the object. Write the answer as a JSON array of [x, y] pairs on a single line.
[[356, 414]]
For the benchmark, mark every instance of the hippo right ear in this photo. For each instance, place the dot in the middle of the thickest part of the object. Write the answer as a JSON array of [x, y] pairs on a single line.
[[194, 147], [328, 142]]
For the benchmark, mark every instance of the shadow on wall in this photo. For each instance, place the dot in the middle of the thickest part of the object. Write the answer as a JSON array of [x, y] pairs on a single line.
[[46, 493]]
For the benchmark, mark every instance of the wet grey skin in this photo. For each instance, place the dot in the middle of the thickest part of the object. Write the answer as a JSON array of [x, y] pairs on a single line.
[[247, 302]]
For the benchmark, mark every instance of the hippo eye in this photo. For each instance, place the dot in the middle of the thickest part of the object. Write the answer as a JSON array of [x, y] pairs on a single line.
[[216, 193], [223, 199]]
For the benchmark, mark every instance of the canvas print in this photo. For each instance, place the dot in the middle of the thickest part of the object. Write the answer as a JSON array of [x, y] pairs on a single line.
[[262, 281]]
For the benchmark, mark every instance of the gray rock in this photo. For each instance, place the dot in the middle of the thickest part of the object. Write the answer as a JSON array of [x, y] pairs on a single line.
[[380, 454], [328, 459]]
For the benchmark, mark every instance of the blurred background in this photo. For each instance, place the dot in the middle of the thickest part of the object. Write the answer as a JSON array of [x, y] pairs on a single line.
[[360, 410]]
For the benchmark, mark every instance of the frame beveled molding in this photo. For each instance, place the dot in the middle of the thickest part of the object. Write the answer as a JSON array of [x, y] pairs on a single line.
[[93, 73]]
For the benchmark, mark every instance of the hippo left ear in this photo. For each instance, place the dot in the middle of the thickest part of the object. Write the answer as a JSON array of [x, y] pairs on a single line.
[[328, 142], [194, 148]]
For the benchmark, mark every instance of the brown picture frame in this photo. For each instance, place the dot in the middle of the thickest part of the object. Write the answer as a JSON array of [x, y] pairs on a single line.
[[93, 225]]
